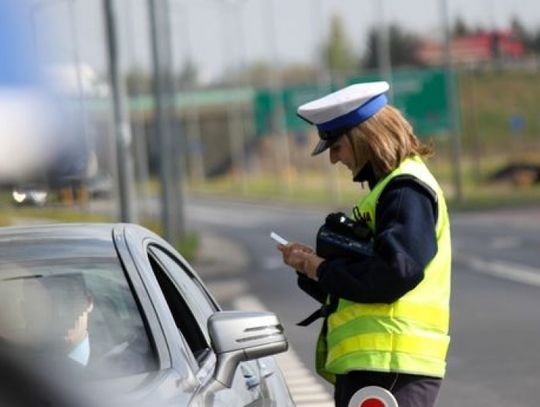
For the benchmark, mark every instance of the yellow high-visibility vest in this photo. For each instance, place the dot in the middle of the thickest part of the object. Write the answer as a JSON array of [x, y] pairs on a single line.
[[409, 335]]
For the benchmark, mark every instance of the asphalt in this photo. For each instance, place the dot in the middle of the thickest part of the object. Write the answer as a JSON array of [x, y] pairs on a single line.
[[211, 261], [222, 263]]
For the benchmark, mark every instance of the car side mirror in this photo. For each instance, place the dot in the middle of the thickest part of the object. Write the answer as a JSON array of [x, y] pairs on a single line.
[[239, 336]]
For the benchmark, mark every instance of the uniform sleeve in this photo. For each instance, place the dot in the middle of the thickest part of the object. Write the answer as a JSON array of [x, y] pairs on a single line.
[[311, 287], [404, 244]]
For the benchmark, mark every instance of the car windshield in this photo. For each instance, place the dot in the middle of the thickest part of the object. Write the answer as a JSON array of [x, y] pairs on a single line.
[[81, 312]]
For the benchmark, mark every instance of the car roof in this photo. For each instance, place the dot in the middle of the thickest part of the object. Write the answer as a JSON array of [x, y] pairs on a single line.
[[69, 240], [54, 241], [58, 231]]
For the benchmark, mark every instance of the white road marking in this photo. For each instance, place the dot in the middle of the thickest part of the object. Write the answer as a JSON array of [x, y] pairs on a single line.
[[502, 269], [310, 387], [304, 386], [311, 399], [299, 380]]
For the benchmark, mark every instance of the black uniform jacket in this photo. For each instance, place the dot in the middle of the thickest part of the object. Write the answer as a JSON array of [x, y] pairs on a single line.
[[404, 244]]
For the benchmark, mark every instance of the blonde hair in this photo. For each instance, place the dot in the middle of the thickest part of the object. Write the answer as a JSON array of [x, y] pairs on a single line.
[[387, 138]]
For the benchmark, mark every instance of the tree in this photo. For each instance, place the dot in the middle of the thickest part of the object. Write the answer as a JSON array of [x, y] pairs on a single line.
[[336, 53], [187, 78], [139, 82], [520, 33], [259, 74], [460, 28], [536, 42], [402, 45], [298, 73]]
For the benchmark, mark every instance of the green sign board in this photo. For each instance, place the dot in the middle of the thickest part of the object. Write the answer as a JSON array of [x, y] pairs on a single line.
[[420, 94], [296, 96], [264, 102], [281, 104]]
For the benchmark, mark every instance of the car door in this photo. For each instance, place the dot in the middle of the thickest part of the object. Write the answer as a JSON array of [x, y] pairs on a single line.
[[191, 306]]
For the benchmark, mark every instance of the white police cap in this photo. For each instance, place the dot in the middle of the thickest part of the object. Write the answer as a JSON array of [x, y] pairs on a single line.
[[339, 111]]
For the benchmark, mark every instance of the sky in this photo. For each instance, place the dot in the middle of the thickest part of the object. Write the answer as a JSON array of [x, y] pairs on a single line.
[[225, 34], [300, 26]]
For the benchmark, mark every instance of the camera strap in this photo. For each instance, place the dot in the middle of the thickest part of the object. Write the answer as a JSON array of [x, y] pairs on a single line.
[[320, 313], [324, 311]]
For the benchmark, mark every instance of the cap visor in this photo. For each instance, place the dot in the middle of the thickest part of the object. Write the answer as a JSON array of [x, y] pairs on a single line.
[[321, 146]]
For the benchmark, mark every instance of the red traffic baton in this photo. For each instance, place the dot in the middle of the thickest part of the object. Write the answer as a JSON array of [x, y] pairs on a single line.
[[373, 396]]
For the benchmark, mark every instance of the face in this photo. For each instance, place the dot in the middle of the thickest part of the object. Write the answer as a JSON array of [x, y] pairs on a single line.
[[342, 151]]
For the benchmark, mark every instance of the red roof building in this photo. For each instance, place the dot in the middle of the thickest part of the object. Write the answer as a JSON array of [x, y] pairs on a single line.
[[473, 48]]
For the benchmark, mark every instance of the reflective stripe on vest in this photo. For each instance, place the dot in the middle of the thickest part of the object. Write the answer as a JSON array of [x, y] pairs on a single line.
[[409, 335]]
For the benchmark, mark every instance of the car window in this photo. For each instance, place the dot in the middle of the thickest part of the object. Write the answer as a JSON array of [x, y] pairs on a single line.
[[184, 314], [80, 312], [201, 304]]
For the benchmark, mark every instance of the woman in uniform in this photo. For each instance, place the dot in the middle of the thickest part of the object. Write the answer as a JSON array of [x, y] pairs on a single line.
[[386, 315]]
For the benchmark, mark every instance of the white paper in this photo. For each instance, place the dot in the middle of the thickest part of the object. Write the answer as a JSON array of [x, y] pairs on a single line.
[[278, 238]]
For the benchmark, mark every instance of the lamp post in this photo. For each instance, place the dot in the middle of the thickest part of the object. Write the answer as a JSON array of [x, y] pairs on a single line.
[[121, 122], [452, 103], [194, 142], [235, 114], [384, 59], [325, 86], [170, 169], [278, 118], [140, 142]]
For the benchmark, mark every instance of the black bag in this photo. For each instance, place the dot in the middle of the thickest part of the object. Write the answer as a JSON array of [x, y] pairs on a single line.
[[341, 236]]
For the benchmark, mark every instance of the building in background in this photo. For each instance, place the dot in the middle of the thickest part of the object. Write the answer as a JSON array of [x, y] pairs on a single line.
[[473, 49]]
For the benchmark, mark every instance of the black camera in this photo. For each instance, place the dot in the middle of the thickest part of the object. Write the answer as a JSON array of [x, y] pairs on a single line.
[[341, 236]]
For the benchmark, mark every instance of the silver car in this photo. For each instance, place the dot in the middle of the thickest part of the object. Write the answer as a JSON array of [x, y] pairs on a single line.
[[118, 306]]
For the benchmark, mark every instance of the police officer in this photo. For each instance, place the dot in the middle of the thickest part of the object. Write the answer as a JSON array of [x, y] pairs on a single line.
[[386, 315]]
